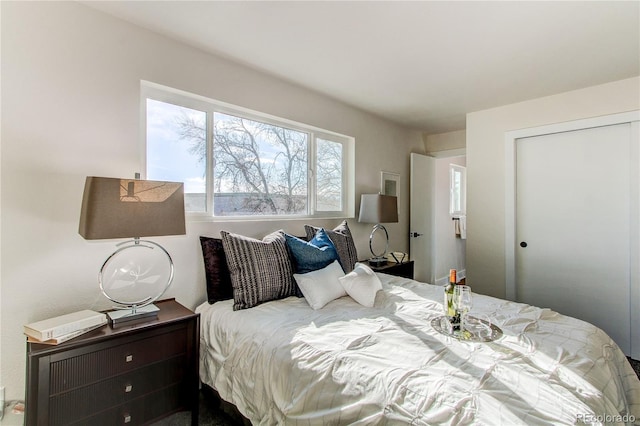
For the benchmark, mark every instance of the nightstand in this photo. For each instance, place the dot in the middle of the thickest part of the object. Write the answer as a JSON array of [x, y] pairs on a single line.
[[404, 269], [131, 375]]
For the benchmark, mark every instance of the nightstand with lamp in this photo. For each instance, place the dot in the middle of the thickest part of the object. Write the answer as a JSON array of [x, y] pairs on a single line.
[[378, 209], [145, 366]]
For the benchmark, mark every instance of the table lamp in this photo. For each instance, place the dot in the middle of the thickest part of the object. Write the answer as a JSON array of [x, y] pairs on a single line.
[[378, 209], [139, 271]]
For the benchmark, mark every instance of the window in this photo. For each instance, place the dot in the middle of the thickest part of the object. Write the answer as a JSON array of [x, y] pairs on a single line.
[[244, 164], [457, 189]]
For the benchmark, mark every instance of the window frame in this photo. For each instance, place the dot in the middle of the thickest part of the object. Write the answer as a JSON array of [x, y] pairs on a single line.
[[209, 107], [462, 170]]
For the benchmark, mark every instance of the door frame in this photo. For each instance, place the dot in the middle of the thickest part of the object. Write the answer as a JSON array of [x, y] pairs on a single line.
[[429, 267], [428, 233], [511, 137]]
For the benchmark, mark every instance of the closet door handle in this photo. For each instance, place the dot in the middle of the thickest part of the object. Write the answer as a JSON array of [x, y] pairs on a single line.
[[523, 244]]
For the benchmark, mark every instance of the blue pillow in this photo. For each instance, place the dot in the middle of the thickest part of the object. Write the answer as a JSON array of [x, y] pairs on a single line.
[[312, 255]]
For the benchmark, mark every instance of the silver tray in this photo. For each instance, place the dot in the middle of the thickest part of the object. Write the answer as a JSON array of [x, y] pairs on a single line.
[[476, 330]]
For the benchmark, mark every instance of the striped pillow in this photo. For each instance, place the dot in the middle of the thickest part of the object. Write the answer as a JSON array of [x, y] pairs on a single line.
[[260, 270], [341, 238]]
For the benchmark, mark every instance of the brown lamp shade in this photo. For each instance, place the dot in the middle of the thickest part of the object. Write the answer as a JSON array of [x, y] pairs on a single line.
[[125, 208], [378, 208]]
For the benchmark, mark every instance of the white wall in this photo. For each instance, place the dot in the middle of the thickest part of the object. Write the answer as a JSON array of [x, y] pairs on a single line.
[[448, 141], [70, 105], [486, 166]]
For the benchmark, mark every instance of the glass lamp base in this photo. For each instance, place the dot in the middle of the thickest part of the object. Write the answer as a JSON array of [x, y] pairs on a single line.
[[124, 317], [133, 277], [378, 261]]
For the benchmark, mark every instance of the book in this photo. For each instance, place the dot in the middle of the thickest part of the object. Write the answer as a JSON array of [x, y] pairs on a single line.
[[64, 324], [64, 338]]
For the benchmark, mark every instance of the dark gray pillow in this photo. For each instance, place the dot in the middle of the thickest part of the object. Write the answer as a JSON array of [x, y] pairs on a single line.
[[343, 241], [260, 270], [216, 270]]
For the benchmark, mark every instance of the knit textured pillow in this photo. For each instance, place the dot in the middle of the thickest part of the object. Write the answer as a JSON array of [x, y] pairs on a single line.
[[343, 241], [311, 255], [260, 270]]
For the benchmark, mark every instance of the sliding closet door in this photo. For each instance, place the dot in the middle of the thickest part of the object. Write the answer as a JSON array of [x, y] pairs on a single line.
[[573, 225]]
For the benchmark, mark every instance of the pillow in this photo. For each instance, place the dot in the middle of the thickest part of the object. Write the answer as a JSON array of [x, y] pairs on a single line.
[[216, 270], [343, 241], [361, 284], [322, 286], [310, 256], [260, 270]]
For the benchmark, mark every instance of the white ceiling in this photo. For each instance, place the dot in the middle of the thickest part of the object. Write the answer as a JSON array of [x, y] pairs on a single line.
[[422, 64]]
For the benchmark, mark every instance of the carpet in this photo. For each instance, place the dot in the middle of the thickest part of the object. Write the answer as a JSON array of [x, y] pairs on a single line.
[[212, 412]]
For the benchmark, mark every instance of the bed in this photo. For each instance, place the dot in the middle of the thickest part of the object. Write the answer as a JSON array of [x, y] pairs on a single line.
[[283, 362]]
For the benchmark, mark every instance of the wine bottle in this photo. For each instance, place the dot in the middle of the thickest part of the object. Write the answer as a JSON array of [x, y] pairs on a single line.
[[449, 307]]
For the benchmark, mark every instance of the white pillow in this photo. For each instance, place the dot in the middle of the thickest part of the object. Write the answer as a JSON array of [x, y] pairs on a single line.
[[362, 284], [322, 286]]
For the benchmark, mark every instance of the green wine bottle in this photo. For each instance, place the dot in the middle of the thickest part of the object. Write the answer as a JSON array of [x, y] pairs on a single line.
[[449, 307]]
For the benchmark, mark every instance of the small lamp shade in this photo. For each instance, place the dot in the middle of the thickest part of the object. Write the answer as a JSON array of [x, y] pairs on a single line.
[[124, 208], [378, 208]]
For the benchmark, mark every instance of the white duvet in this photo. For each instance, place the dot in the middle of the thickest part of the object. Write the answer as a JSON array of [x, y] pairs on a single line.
[[284, 363]]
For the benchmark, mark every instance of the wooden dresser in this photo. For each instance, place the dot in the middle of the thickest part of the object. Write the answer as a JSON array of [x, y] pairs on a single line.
[[131, 375]]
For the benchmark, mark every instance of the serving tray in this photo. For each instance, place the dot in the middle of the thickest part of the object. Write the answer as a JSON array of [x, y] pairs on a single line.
[[476, 329]]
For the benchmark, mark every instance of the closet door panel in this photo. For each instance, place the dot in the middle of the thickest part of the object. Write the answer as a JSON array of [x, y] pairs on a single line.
[[573, 231]]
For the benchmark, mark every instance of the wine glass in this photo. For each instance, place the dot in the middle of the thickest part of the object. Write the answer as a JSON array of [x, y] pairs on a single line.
[[463, 302], [479, 325]]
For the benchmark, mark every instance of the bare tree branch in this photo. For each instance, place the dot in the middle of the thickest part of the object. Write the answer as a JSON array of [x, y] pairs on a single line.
[[267, 164]]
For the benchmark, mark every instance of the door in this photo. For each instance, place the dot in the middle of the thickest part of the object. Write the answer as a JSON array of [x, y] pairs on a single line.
[[575, 203], [421, 233]]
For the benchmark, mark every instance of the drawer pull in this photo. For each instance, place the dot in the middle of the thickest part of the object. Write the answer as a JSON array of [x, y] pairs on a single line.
[[128, 358], [127, 418], [128, 388]]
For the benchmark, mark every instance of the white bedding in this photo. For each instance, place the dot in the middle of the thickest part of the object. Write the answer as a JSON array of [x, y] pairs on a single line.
[[284, 363]]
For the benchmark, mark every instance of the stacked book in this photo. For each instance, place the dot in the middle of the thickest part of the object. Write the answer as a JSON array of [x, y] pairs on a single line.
[[56, 330]]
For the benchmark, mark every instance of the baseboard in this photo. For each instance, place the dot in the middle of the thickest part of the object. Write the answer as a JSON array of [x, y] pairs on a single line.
[[461, 274]]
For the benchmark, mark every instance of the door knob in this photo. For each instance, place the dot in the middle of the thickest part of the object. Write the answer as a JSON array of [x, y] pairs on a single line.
[[414, 234], [523, 244]]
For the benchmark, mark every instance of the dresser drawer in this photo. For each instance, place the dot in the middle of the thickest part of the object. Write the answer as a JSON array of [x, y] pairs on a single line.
[[80, 403], [140, 411], [97, 363]]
